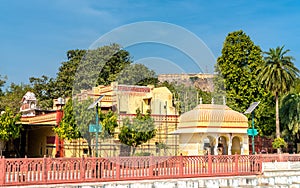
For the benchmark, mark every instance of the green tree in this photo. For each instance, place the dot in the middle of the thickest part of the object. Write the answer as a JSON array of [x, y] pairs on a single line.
[[10, 127], [100, 66], [44, 89], [109, 122], [137, 74], [2, 82], [66, 73], [13, 96], [296, 88], [279, 143], [137, 131], [277, 74], [76, 120], [82, 70], [237, 66], [290, 115], [68, 128]]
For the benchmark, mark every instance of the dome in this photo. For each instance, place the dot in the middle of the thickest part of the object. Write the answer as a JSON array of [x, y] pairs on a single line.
[[212, 118], [212, 113], [29, 96]]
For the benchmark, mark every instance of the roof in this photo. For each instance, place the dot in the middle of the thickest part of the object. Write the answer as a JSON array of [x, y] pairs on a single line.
[[212, 118], [212, 113]]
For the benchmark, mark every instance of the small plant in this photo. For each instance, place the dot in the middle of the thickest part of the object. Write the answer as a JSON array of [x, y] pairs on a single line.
[[279, 143], [143, 154], [161, 145]]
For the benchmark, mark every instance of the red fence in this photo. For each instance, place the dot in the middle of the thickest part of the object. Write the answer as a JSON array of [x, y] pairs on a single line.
[[27, 171]]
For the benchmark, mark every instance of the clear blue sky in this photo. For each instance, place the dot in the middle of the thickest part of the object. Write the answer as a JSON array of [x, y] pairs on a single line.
[[35, 34]]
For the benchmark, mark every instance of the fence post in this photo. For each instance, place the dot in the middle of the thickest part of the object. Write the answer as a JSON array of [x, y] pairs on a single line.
[[209, 164], [2, 171], [260, 162], [181, 166], [44, 177], [118, 168], [236, 163], [82, 169], [151, 166]]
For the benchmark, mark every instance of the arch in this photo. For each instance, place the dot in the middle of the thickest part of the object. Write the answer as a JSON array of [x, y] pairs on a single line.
[[209, 142], [223, 145], [236, 145]]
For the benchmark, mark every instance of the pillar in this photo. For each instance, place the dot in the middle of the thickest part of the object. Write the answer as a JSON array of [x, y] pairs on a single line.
[[229, 144], [58, 142], [216, 145]]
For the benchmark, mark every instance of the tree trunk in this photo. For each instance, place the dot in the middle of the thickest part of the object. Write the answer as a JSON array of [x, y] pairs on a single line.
[[277, 116], [133, 150], [277, 119]]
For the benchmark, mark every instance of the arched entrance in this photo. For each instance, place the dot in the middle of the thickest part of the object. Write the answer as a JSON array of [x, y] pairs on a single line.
[[236, 145], [209, 143], [222, 146]]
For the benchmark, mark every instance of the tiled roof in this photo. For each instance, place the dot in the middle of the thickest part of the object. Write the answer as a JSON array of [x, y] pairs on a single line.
[[212, 113]]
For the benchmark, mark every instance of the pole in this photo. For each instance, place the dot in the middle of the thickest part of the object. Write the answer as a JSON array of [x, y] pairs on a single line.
[[253, 148], [97, 129]]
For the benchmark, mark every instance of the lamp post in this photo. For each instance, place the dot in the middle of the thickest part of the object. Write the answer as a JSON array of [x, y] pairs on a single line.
[[252, 132], [96, 128]]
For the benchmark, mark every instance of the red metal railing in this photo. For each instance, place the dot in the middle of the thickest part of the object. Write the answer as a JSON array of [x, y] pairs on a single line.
[[27, 171]]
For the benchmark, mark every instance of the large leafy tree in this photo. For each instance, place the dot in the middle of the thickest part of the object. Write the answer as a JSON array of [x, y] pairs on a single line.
[[278, 74], [66, 73], [10, 128], [100, 66], [137, 131], [44, 89], [237, 66], [82, 70]]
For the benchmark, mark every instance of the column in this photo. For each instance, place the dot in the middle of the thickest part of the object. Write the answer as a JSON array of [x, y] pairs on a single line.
[[216, 145], [229, 144], [229, 148]]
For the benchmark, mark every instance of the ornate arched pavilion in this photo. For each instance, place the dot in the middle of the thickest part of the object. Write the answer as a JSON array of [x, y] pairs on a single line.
[[214, 129]]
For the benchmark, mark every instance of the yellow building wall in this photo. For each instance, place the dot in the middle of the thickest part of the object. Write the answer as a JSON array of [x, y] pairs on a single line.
[[189, 144], [75, 147]]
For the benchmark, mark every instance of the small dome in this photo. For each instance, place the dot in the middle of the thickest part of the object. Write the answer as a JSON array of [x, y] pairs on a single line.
[[212, 113], [29, 96]]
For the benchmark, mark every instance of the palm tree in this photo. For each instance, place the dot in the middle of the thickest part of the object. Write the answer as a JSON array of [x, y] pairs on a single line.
[[290, 113], [278, 74]]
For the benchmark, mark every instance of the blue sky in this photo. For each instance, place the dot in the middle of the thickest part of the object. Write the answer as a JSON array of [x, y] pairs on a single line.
[[35, 35]]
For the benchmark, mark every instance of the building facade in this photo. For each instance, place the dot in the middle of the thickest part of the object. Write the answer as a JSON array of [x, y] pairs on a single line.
[[125, 100], [38, 138]]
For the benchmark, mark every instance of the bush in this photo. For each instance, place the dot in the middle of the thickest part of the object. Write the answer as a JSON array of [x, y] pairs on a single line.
[[279, 143], [143, 154]]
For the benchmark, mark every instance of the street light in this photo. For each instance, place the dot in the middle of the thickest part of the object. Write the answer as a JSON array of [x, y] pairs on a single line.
[[96, 128], [252, 132]]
